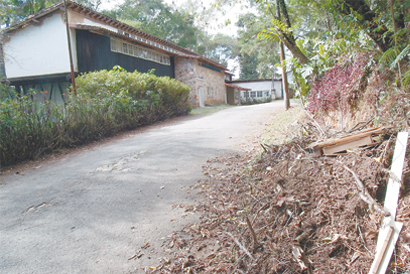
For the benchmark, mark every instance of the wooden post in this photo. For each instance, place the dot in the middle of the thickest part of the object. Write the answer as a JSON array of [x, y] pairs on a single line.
[[69, 49]]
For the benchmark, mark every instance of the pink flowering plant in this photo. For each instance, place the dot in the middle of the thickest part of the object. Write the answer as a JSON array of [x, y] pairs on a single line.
[[338, 87]]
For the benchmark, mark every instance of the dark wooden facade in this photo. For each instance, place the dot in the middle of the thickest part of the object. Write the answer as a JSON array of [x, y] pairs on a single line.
[[50, 87], [94, 53]]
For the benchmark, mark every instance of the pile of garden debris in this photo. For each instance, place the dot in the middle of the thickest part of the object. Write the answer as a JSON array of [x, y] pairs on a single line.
[[292, 210]]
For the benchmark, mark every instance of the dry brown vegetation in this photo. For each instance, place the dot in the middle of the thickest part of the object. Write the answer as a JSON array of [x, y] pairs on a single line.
[[261, 214]]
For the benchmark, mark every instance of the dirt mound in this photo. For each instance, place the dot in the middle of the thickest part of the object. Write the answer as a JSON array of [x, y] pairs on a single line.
[[288, 212]]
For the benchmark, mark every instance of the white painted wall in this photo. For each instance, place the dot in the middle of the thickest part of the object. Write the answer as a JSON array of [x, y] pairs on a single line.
[[262, 86], [38, 50], [277, 85]]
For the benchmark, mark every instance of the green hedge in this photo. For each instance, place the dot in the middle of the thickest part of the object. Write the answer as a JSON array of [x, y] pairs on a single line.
[[107, 102]]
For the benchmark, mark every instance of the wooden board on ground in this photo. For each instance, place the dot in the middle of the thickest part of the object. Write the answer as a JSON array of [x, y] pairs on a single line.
[[367, 140], [350, 141]]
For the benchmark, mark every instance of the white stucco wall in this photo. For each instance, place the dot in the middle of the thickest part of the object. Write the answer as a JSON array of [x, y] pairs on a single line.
[[38, 50], [262, 86], [278, 89]]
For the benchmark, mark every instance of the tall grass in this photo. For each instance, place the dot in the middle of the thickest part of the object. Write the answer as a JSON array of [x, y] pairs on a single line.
[[107, 102]]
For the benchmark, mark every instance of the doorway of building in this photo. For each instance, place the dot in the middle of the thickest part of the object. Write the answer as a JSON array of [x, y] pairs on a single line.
[[201, 97]]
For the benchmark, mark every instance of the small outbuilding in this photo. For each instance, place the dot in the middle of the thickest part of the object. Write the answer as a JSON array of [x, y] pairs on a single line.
[[259, 89], [233, 94]]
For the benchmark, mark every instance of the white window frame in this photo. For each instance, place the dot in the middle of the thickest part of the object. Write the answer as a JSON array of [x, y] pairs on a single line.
[[129, 49]]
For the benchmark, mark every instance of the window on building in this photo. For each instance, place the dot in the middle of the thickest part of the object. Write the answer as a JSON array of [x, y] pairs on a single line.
[[259, 93], [139, 52], [125, 48], [113, 45], [253, 94], [211, 92], [267, 93]]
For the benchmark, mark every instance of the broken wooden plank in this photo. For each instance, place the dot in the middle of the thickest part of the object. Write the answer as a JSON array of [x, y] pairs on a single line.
[[384, 257], [348, 138], [390, 205], [393, 186], [367, 140], [386, 242]]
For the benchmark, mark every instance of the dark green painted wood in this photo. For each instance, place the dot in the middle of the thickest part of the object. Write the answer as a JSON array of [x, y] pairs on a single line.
[[94, 53]]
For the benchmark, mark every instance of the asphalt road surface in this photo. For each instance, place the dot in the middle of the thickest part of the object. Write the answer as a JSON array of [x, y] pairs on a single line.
[[93, 210]]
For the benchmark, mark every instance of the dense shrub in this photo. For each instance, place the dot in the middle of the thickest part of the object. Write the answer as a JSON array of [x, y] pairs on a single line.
[[167, 97], [107, 102], [6, 92], [254, 101]]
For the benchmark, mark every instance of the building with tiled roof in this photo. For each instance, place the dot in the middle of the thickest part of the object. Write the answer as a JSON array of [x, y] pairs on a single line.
[[46, 49]]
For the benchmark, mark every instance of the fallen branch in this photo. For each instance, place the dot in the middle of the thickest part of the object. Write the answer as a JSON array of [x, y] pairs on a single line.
[[365, 196], [364, 242], [255, 239], [266, 151], [240, 246], [298, 254], [361, 125], [316, 124], [303, 236]]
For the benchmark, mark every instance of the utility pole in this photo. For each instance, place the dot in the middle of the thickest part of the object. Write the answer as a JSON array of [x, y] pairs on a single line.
[[282, 61]]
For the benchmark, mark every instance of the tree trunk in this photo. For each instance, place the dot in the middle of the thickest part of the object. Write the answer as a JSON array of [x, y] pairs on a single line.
[[282, 57], [295, 50], [284, 77], [289, 39]]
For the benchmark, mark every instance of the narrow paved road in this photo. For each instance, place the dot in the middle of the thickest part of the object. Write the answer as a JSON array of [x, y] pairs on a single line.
[[90, 212]]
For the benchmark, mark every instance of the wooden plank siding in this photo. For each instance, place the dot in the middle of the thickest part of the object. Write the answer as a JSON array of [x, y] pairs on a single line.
[[51, 88], [94, 53]]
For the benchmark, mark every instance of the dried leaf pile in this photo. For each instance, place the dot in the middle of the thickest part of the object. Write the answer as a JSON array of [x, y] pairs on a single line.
[[286, 211]]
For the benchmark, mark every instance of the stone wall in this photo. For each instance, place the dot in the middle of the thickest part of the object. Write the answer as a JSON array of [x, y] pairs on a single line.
[[214, 84], [201, 79]]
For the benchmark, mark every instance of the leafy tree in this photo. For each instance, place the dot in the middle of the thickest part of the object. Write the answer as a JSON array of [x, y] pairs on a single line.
[[159, 19], [248, 65], [219, 47], [257, 57]]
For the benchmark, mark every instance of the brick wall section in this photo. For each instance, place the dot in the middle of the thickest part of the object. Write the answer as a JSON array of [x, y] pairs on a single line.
[[190, 72]]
